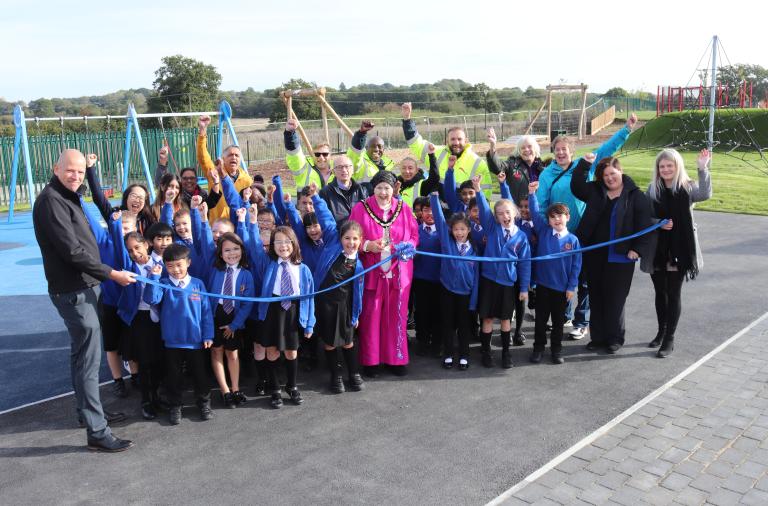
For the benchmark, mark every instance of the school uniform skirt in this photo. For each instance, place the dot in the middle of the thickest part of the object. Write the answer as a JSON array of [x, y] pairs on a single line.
[[281, 327], [495, 300], [221, 318], [111, 327]]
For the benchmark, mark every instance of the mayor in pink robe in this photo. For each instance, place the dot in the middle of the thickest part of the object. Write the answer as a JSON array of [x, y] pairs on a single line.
[[386, 222]]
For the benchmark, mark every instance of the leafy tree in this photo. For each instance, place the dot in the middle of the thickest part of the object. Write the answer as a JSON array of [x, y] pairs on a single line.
[[733, 75], [616, 93], [185, 83]]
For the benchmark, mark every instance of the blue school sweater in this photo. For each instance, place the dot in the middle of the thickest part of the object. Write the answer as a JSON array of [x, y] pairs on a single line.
[[196, 267], [110, 291], [325, 262], [478, 237], [504, 273], [243, 288], [561, 274], [457, 276], [311, 251], [267, 269], [186, 320], [233, 198], [425, 267]]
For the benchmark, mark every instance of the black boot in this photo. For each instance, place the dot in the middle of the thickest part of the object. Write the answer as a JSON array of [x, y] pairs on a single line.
[[355, 380], [485, 348], [667, 345], [659, 337], [332, 361], [273, 386], [506, 360]]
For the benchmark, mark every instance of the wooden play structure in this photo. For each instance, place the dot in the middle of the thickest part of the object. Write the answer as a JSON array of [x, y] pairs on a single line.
[[325, 110], [548, 105]]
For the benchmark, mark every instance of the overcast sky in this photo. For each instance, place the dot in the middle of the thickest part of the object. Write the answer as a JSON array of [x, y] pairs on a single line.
[[69, 49]]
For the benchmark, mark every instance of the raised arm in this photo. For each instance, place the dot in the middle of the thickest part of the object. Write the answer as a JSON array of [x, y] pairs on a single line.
[[415, 142], [505, 193], [540, 222], [203, 157], [324, 216], [702, 189], [449, 187], [432, 183], [162, 165], [278, 198], [486, 216], [579, 183], [122, 259], [495, 164], [97, 193], [613, 144], [440, 224]]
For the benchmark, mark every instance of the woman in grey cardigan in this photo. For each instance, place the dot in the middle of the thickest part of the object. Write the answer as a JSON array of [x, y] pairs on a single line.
[[677, 253]]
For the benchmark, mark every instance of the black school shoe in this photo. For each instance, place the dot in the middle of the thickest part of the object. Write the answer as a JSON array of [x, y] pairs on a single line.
[[536, 357], [337, 385], [109, 444], [518, 339], [119, 389], [276, 401], [355, 383], [205, 410], [261, 388], [229, 400], [557, 358], [239, 398], [295, 395], [174, 415], [611, 349], [148, 411]]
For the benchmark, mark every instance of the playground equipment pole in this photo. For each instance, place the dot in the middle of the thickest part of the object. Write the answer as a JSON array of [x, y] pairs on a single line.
[[711, 131]]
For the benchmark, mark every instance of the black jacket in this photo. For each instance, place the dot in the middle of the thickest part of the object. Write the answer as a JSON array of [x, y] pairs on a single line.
[[70, 254], [633, 211], [517, 173], [340, 201]]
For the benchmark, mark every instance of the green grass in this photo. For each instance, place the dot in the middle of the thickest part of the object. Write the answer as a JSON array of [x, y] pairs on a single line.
[[737, 186], [641, 115]]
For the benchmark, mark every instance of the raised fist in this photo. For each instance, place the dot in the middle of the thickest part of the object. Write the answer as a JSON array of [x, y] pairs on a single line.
[[532, 187], [162, 155], [406, 109], [476, 183], [291, 125], [241, 214], [214, 175], [632, 121], [502, 176], [253, 214], [452, 161], [117, 215], [203, 122], [492, 137], [157, 269], [590, 157], [196, 201], [91, 160], [366, 126], [247, 192], [203, 210], [312, 189], [170, 194], [431, 148]]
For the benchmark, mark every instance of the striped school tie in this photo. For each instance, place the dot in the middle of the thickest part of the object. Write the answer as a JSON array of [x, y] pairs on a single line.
[[463, 249], [229, 304], [286, 288], [507, 235]]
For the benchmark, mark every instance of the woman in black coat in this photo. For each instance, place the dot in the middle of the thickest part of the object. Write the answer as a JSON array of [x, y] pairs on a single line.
[[616, 208]]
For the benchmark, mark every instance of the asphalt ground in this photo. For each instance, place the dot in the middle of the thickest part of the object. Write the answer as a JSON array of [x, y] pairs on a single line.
[[433, 437]]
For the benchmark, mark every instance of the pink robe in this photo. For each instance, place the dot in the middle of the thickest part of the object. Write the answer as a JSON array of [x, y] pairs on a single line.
[[383, 321]]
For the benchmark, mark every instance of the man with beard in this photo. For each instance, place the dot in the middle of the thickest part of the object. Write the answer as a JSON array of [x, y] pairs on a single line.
[[367, 163], [304, 170], [468, 163], [231, 165]]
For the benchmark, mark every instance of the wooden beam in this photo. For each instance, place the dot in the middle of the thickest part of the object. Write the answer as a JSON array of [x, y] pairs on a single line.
[[549, 114], [324, 116], [288, 101], [535, 117], [335, 116], [583, 116]]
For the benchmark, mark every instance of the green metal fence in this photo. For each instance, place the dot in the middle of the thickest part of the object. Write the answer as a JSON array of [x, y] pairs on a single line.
[[109, 146]]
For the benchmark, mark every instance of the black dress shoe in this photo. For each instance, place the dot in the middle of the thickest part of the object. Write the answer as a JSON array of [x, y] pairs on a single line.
[[148, 411], [666, 348], [229, 400], [174, 415], [557, 358], [518, 339], [295, 396], [536, 357], [487, 360], [119, 389], [398, 370], [109, 444], [371, 371], [337, 385], [355, 382], [657, 340], [239, 398], [593, 346], [276, 401], [611, 349], [112, 417], [205, 410], [506, 360]]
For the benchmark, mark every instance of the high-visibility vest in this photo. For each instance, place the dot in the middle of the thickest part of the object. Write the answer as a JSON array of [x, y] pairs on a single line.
[[364, 168], [304, 171]]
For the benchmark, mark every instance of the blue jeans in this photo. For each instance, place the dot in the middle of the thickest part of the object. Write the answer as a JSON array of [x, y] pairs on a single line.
[[80, 314], [578, 308]]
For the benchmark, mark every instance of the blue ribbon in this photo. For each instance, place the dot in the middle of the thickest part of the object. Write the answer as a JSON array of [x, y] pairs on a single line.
[[403, 251]]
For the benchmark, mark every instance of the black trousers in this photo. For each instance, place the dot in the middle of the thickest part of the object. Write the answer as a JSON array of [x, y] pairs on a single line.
[[427, 306], [195, 359], [609, 285], [549, 302], [668, 286], [519, 308], [456, 319]]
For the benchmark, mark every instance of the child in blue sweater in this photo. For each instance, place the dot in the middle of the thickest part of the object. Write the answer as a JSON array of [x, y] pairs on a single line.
[[338, 311], [186, 328], [230, 276], [457, 278], [426, 282], [283, 275], [555, 279], [496, 290]]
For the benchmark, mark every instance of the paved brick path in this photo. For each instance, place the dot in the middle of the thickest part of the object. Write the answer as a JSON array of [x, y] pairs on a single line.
[[702, 441]]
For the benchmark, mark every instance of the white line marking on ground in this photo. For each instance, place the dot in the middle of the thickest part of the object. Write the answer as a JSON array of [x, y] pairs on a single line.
[[35, 350], [46, 399], [632, 409]]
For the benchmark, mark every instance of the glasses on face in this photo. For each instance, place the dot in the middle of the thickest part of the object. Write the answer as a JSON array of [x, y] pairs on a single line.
[[189, 178], [318, 155], [343, 166], [282, 243], [136, 196], [264, 222]]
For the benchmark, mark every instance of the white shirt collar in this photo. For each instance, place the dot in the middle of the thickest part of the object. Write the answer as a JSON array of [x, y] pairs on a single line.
[[429, 228], [560, 234], [157, 258], [186, 279], [353, 256]]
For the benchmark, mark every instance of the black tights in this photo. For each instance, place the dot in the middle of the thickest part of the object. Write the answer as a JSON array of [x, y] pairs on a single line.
[[668, 285]]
